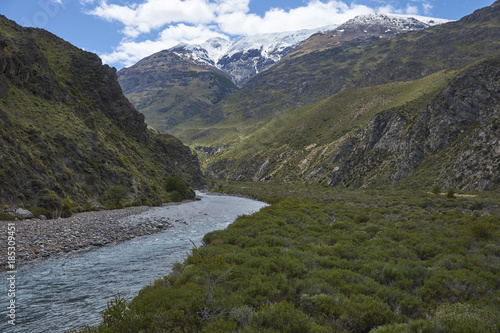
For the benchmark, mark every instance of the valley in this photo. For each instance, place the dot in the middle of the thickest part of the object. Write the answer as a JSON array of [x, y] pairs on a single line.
[[372, 147]]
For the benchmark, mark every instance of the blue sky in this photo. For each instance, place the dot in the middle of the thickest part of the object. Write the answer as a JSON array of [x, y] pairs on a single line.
[[125, 31]]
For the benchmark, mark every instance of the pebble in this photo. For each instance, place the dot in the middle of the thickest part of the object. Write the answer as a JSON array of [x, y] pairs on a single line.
[[37, 238]]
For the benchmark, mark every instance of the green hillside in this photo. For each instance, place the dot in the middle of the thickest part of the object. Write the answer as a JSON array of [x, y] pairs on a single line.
[[70, 140], [309, 77], [292, 121], [169, 89]]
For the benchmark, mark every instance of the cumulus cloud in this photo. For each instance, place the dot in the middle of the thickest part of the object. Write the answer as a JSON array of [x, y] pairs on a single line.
[[154, 14], [315, 14], [154, 25], [130, 51]]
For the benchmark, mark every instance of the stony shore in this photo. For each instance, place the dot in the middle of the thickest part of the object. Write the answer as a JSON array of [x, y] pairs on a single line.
[[36, 239]]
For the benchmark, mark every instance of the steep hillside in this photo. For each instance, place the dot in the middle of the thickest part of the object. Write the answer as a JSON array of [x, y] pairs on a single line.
[[443, 129], [308, 77], [69, 137], [169, 88]]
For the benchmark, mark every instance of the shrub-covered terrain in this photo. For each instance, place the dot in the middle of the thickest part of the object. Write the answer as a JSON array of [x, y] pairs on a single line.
[[331, 260]]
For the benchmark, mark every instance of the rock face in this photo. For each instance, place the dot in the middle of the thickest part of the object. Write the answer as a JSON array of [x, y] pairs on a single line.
[[69, 135], [459, 132]]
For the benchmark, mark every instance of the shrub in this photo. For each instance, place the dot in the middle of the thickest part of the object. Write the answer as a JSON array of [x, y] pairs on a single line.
[[177, 187], [363, 313], [114, 315], [436, 190], [465, 318], [67, 207], [115, 197], [450, 194], [283, 317], [51, 202], [7, 217]]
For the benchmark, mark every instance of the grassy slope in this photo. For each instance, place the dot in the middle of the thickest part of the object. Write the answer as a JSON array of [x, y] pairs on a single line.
[[330, 260], [313, 133]]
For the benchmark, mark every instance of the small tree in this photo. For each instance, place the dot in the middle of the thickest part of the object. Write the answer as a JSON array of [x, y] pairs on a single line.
[[177, 187], [50, 202], [436, 190], [115, 196], [450, 194]]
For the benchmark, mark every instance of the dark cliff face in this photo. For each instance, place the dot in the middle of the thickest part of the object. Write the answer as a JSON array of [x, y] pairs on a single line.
[[456, 137], [69, 133]]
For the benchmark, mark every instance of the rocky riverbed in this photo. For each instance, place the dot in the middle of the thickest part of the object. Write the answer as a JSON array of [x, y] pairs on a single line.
[[36, 238]]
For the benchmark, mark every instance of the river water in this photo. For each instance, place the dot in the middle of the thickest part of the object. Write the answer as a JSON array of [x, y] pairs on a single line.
[[69, 291]]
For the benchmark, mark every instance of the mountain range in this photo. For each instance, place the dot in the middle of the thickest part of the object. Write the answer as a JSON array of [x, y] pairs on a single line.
[[198, 76], [359, 105]]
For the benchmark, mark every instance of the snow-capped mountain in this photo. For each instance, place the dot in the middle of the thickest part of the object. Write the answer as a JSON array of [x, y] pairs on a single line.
[[245, 57], [390, 22], [209, 52]]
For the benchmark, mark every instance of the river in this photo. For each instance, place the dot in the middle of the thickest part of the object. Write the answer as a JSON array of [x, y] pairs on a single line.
[[69, 291]]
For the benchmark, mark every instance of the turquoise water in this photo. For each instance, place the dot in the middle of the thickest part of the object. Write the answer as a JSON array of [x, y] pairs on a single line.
[[70, 291]]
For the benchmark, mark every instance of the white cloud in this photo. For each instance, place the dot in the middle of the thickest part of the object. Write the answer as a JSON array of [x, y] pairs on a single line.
[[315, 14], [411, 10], [154, 14], [231, 6], [129, 52], [427, 8], [194, 21]]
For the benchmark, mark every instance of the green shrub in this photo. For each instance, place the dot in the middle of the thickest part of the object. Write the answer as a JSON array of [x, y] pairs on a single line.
[[68, 207], [465, 318], [283, 317], [436, 190], [362, 313], [7, 217], [220, 325], [115, 313], [51, 202], [115, 197], [177, 187]]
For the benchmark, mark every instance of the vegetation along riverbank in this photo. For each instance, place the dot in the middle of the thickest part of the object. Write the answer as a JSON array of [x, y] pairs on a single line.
[[333, 260]]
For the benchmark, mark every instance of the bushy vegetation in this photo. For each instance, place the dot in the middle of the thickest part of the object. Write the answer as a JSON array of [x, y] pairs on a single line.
[[333, 260]]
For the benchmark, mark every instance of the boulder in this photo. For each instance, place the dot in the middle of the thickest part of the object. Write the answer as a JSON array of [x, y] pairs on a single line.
[[26, 214]]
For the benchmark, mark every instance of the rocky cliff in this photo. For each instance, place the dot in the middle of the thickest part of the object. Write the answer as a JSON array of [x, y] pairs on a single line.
[[455, 139]]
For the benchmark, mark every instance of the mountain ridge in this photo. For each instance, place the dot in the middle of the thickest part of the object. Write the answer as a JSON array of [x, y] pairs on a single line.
[[174, 96]]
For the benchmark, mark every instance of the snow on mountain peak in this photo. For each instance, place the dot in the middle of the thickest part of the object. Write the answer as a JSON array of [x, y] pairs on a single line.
[[405, 22], [244, 57]]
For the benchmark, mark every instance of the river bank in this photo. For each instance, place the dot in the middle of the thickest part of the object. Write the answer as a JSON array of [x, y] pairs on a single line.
[[37, 239]]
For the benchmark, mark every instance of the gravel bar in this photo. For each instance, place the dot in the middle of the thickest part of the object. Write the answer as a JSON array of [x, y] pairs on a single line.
[[38, 239]]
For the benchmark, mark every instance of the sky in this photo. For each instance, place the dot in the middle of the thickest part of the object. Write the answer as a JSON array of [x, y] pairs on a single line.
[[122, 32]]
